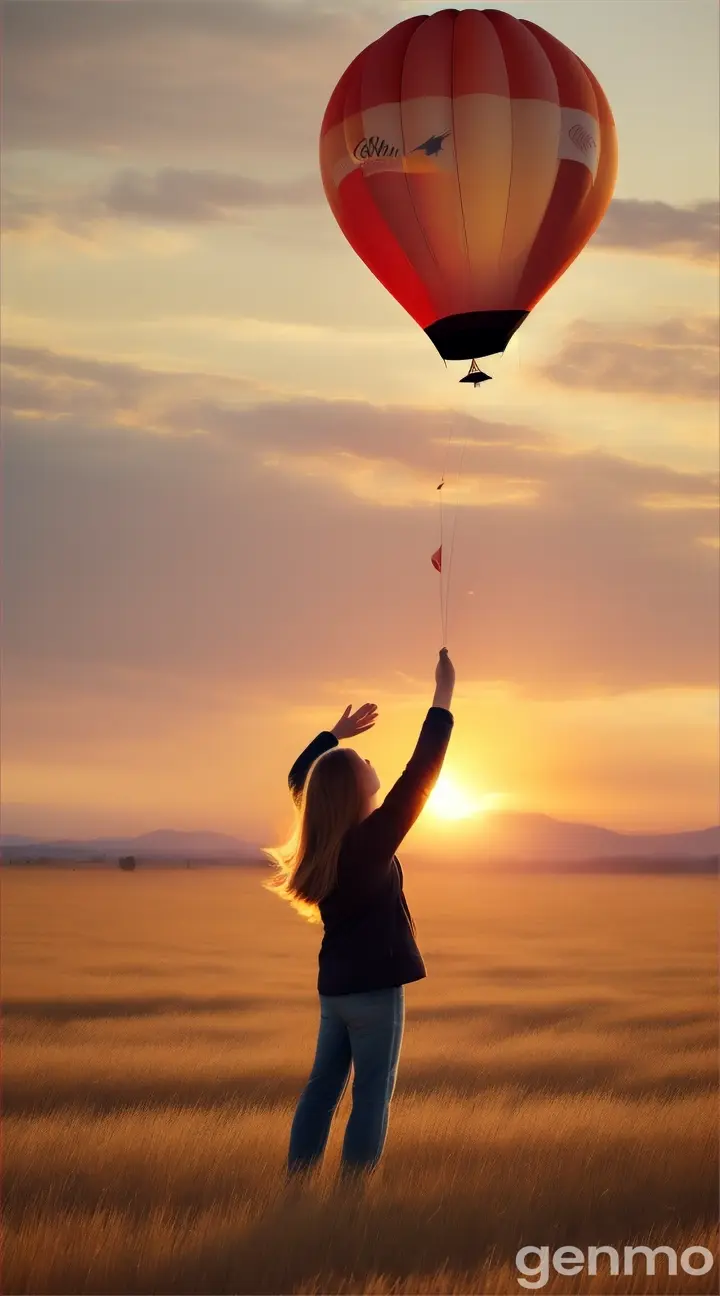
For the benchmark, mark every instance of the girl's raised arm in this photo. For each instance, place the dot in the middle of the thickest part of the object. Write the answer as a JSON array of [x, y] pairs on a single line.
[[385, 828]]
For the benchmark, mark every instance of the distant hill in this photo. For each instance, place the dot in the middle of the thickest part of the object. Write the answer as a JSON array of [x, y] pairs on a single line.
[[539, 837], [165, 843], [525, 840]]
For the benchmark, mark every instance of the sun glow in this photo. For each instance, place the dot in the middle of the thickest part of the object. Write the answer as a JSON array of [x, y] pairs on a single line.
[[448, 800]]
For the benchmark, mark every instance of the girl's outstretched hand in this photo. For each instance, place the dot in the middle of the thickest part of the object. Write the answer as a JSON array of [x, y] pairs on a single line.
[[444, 681], [444, 671], [352, 723]]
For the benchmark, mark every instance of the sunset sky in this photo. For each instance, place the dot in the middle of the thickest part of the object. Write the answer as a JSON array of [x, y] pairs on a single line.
[[222, 439]]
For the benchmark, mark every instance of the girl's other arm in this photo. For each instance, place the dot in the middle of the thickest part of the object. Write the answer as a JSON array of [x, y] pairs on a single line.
[[350, 724], [301, 768]]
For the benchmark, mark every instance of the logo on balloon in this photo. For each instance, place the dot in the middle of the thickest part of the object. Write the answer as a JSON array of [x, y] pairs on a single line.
[[374, 147], [430, 147], [582, 138]]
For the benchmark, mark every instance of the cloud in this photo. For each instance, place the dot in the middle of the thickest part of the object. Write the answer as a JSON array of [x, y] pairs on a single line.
[[659, 229], [176, 195], [239, 416], [168, 527], [222, 78], [94, 392], [675, 358], [168, 196]]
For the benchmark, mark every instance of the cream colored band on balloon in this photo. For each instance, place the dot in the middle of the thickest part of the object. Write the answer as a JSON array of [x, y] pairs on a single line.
[[379, 144]]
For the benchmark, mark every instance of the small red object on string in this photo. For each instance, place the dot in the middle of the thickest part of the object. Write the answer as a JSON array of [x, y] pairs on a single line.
[[436, 559]]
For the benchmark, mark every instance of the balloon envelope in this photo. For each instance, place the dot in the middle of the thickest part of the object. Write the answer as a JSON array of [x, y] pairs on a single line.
[[468, 157]]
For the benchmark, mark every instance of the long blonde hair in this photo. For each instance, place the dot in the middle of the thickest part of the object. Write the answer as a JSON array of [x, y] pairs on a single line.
[[306, 864]]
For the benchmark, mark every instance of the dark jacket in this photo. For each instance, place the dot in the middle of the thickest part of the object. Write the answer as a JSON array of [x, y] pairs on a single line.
[[369, 938]]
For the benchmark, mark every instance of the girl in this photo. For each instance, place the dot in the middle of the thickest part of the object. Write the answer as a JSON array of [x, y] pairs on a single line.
[[340, 867]]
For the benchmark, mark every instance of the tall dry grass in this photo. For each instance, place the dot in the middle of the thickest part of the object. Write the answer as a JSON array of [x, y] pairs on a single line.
[[557, 1087]]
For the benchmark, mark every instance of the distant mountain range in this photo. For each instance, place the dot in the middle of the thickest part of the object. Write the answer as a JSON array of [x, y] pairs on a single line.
[[529, 838], [165, 843], [538, 837]]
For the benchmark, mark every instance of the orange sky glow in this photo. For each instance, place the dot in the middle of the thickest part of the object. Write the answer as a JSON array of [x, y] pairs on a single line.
[[223, 438]]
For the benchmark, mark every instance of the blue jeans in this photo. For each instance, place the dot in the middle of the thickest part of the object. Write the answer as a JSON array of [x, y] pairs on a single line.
[[365, 1030]]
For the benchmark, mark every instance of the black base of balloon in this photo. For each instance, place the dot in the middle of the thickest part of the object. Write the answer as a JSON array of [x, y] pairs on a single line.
[[476, 333]]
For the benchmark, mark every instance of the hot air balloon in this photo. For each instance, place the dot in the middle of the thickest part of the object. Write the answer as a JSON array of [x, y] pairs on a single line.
[[468, 157]]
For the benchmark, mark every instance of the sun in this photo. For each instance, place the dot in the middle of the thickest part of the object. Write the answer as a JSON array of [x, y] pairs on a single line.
[[448, 800]]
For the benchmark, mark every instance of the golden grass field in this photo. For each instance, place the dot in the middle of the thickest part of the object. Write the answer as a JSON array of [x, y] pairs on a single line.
[[557, 1086]]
